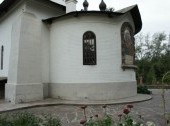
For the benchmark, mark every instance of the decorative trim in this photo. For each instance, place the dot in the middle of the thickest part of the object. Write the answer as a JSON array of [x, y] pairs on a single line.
[[128, 46], [129, 67], [93, 91]]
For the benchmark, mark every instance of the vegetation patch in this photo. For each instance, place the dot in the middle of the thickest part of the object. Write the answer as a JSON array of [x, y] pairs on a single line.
[[143, 90], [124, 118], [152, 58], [28, 119]]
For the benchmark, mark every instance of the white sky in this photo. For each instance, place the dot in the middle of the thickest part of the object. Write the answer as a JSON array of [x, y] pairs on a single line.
[[155, 13]]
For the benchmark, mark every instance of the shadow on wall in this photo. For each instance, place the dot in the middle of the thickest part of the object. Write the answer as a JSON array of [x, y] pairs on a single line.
[[2, 88]]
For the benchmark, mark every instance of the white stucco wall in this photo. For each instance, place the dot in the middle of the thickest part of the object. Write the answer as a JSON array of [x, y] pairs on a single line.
[[24, 78], [28, 75], [43, 11], [70, 79], [66, 61], [71, 6], [6, 23]]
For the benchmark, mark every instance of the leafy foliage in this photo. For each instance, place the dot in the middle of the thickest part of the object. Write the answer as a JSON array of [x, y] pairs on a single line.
[[5, 122], [143, 90], [50, 121], [27, 119], [125, 118], [152, 57], [167, 78], [106, 121]]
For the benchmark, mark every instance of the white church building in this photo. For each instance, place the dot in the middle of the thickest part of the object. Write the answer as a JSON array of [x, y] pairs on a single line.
[[49, 49]]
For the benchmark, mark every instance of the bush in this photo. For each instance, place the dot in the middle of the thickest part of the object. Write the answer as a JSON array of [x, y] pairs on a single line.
[[167, 79], [105, 121], [5, 122], [28, 119], [124, 119], [50, 121], [143, 90]]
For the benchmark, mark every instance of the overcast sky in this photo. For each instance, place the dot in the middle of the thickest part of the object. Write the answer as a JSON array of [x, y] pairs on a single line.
[[155, 13]]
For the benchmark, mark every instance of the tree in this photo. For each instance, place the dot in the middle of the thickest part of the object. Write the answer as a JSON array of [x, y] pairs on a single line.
[[152, 56], [139, 46]]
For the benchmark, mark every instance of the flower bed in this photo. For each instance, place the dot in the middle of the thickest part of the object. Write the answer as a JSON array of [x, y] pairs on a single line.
[[124, 119]]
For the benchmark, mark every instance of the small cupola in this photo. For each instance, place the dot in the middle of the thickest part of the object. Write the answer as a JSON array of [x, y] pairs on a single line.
[[70, 5], [102, 6], [85, 5]]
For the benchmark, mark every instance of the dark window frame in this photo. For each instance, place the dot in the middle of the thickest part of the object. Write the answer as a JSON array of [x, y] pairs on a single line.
[[2, 57], [89, 48]]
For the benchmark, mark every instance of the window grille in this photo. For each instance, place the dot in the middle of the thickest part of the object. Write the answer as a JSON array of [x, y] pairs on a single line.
[[89, 48]]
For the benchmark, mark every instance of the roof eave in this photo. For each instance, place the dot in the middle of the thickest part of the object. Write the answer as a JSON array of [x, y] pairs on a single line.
[[77, 13], [132, 9], [6, 4], [137, 19]]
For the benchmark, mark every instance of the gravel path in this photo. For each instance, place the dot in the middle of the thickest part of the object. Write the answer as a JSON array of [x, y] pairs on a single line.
[[70, 115]]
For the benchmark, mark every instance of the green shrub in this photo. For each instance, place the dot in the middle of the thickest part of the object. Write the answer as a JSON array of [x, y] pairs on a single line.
[[125, 118], [5, 122], [143, 90], [28, 119], [167, 79], [50, 121], [106, 121]]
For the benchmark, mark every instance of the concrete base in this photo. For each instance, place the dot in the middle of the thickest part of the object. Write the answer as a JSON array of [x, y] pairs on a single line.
[[7, 107], [93, 91], [45, 90], [2, 87], [2, 90], [17, 93]]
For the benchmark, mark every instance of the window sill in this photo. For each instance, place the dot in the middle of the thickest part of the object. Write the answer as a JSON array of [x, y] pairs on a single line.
[[129, 67]]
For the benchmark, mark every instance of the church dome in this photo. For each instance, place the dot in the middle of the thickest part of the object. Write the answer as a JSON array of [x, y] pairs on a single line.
[[85, 3], [102, 6]]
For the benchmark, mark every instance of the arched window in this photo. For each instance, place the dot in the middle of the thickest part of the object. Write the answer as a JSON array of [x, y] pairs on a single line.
[[89, 48], [128, 46], [2, 57]]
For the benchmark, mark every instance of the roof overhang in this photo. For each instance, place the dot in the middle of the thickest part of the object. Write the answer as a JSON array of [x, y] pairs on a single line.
[[132, 9], [83, 13], [6, 4]]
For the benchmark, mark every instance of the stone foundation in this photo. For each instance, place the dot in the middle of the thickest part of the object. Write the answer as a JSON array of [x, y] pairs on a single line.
[[23, 93], [93, 91]]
